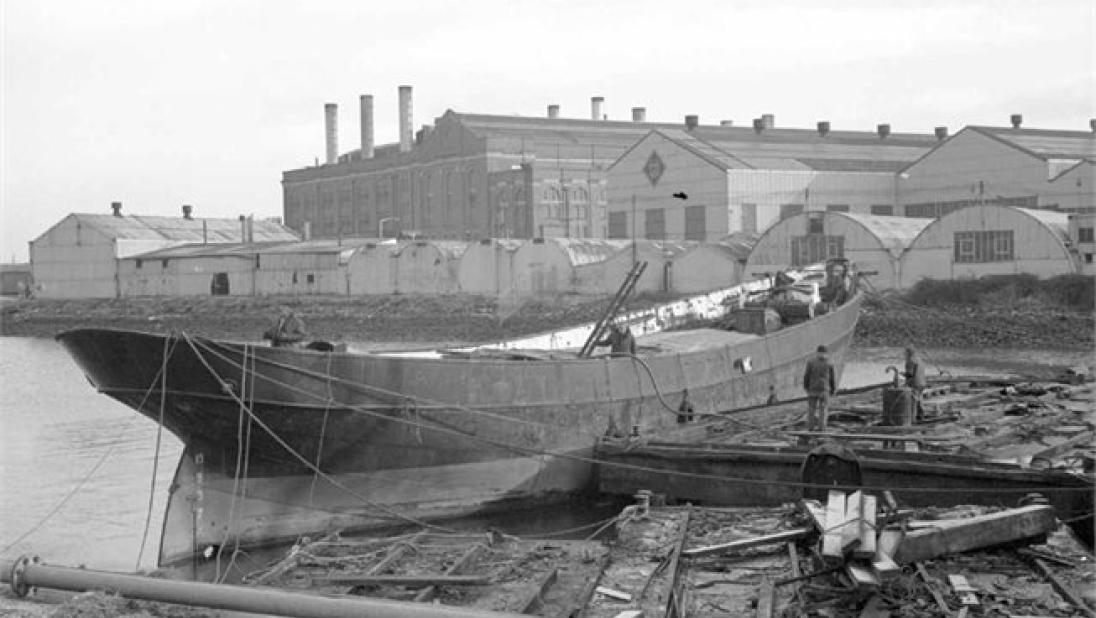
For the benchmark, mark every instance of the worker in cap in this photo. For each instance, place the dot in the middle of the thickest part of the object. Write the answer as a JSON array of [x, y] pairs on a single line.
[[820, 384]]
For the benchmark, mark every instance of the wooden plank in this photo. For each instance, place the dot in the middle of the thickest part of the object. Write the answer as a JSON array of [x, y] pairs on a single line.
[[768, 539], [850, 533], [882, 564], [1050, 453], [537, 595], [861, 576], [866, 548], [874, 608], [613, 594], [930, 583], [766, 598], [835, 522], [963, 590], [412, 581], [871, 436], [797, 573], [1063, 588], [888, 541], [467, 559], [954, 536], [816, 512]]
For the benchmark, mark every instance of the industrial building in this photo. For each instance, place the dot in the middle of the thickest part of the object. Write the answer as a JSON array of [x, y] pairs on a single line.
[[1081, 227], [875, 243], [1004, 166], [78, 256], [16, 279], [703, 183], [991, 240]]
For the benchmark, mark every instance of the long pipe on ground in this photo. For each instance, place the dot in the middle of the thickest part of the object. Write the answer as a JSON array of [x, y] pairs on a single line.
[[23, 574]]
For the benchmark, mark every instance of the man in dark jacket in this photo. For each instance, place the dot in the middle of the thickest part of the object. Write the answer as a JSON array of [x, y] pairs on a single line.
[[819, 382], [915, 380], [288, 331], [620, 341]]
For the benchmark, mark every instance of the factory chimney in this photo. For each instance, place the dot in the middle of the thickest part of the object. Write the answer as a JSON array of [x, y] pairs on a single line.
[[331, 132], [595, 107], [639, 114], [883, 130], [406, 128], [367, 125], [941, 133], [306, 230], [553, 111], [692, 121], [1092, 124], [117, 208], [187, 209], [243, 228], [758, 125], [768, 120], [823, 127], [1017, 120]]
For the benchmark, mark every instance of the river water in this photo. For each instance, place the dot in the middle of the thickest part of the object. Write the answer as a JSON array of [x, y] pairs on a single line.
[[76, 467]]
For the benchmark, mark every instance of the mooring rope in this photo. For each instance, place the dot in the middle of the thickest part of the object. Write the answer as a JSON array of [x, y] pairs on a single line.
[[156, 453]]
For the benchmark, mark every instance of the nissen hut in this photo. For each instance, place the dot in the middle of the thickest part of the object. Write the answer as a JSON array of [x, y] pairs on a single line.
[[487, 267], [712, 265], [606, 277], [429, 266], [372, 268], [308, 268], [873, 242], [991, 240], [550, 265]]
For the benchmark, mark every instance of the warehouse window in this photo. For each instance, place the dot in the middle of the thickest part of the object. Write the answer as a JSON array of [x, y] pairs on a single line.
[[1084, 234], [654, 224], [618, 225], [696, 220], [790, 210], [814, 224], [749, 218], [140, 263], [882, 209], [983, 246], [814, 248], [1088, 258], [163, 263], [837, 208]]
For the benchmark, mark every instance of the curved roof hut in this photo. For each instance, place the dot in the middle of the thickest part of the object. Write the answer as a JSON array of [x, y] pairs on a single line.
[[605, 277], [548, 266], [372, 269], [712, 265], [429, 266], [872, 242], [487, 267], [991, 240]]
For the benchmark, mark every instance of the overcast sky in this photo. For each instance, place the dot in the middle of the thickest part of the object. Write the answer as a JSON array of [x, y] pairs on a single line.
[[157, 104]]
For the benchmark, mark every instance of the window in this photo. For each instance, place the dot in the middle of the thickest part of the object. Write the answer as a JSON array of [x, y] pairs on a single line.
[[814, 224], [140, 263], [696, 220], [618, 225], [790, 210], [882, 209], [983, 246], [837, 208], [654, 224], [1088, 258], [163, 263], [1084, 234], [310, 278], [749, 218], [814, 248]]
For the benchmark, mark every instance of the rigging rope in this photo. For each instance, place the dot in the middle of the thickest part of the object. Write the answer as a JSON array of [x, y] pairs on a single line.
[[156, 453]]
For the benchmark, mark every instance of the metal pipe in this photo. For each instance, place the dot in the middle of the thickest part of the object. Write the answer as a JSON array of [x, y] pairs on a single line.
[[23, 574]]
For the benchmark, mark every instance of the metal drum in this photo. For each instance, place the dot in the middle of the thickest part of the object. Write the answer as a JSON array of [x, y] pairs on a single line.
[[898, 406]]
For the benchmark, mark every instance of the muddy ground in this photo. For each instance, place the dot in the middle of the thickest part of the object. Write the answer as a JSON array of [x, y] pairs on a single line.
[[463, 318]]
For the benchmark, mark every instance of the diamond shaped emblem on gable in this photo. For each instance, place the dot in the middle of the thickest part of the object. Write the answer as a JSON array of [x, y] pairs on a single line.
[[654, 168]]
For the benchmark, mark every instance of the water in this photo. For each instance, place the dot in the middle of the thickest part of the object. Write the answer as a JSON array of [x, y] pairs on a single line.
[[63, 444]]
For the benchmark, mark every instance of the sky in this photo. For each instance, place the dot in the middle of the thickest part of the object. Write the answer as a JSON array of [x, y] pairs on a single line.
[[207, 102]]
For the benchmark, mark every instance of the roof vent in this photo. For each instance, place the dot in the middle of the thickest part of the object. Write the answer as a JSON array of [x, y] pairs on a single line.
[[883, 130], [553, 111], [639, 114], [117, 208], [1017, 120], [758, 125], [941, 133], [692, 121], [823, 127], [187, 209]]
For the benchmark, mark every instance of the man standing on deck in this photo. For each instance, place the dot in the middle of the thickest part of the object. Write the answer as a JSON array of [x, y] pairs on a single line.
[[288, 331], [915, 380], [819, 382]]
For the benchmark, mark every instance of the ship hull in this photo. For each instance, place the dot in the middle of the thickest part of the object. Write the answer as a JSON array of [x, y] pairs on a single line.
[[286, 442]]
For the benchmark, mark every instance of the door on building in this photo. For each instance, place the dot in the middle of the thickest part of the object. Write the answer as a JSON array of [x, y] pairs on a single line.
[[219, 285], [749, 218]]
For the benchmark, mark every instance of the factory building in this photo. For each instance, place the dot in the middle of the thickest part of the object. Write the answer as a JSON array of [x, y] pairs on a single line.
[[1004, 166], [1081, 227], [703, 183], [16, 279], [875, 243], [985, 240], [78, 256]]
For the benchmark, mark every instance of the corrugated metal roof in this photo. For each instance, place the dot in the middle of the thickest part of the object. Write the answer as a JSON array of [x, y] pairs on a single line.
[[1056, 222], [145, 227], [853, 165], [704, 149], [895, 233], [775, 163], [672, 247], [1046, 143], [582, 251], [739, 243]]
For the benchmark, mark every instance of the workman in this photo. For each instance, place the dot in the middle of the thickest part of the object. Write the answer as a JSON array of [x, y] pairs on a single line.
[[288, 331], [915, 380], [685, 411], [819, 382], [620, 340]]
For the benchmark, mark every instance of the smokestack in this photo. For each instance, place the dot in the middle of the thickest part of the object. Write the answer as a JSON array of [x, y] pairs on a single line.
[[1017, 120], [941, 133], [406, 130], [366, 101], [187, 209], [883, 130], [553, 111], [117, 208], [639, 114], [331, 131], [823, 127], [251, 228], [243, 228], [306, 230], [692, 121], [595, 107], [726, 123], [1092, 124], [768, 120], [758, 125]]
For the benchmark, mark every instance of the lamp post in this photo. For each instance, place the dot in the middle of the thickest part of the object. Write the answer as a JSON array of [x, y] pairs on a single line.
[[380, 226]]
